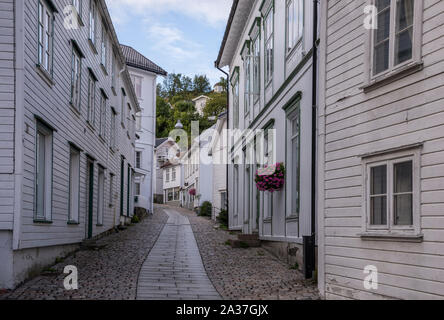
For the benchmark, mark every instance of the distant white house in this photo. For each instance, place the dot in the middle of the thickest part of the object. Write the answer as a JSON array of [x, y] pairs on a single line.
[[198, 171], [218, 88], [218, 152], [200, 103], [165, 149], [144, 75], [172, 182], [67, 151]]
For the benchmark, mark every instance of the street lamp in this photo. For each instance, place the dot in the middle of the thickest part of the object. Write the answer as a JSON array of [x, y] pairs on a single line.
[[179, 125]]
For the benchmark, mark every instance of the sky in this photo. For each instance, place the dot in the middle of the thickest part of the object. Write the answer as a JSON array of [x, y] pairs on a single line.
[[181, 36]]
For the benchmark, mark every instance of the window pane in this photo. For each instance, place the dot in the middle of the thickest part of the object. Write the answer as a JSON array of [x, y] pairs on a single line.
[[404, 210], [378, 182], [403, 177], [383, 30], [378, 211], [404, 46], [295, 176], [404, 14], [41, 174]]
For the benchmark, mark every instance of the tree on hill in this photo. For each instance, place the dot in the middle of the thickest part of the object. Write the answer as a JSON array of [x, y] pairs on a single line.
[[216, 105]]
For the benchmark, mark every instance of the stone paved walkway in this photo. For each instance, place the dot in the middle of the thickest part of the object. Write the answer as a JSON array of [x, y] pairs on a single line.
[[173, 269], [107, 274], [246, 274]]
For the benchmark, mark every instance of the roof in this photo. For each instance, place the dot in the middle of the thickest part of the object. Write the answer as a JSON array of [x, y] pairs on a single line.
[[159, 141], [200, 98], [137, 60], [236, 24]]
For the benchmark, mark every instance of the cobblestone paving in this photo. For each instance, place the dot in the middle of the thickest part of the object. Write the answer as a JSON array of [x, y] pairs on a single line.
[[246, 274], [109, 273], [173, 269]]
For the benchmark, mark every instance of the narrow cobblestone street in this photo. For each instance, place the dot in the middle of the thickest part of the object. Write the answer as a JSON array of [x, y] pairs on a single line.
[[180, 256]]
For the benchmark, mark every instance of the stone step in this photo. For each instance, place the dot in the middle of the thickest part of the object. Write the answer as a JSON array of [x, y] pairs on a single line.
[[245, 243], [248, 237]]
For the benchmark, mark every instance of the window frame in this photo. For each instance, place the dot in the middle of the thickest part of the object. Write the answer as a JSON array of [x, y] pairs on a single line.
[[92, 27], [390, 159], [289, 51], [236, 97], [269, 39], [49, 31], [104, 47], [138, 159], [92, 84], [113, 128], [76, 55], [100, 195], [392, 71], [48, 134], [74, 153], [102, 119]]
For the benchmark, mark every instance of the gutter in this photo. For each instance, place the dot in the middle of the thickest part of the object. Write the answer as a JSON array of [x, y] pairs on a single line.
[[227, 32], [228, 115]]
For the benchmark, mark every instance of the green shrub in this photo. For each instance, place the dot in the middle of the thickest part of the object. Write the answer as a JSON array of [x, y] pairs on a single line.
[[206, 209], [135, 219], [223, 218]]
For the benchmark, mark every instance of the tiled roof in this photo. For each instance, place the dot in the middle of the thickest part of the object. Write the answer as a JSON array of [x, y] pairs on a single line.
[[160, 141], [137, 60]]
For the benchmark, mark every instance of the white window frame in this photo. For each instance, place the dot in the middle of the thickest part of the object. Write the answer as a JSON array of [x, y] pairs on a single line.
[[138, 159], [269, 47], [137, 83], [100, 195], [293, 187], [45, 36], [256, 68], [167, 173], [111, 189], [104, 48], [76, 79], [370, 77], [92, 100], [236, 96], [390, 159], [74, 186], [102, 125], [92, 21], [47, 134], [122, 108], [293, 43], [113, 134]]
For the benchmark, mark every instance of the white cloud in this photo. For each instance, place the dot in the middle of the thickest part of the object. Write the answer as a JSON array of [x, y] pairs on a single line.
[[212, 12]]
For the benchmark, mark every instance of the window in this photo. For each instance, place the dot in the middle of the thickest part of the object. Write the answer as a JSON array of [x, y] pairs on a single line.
[[170, 195], [74, 185], [76, 67], [137, 83], [113, 71], [138, 159], [137, 187], [100, 196], [113, 129], [167, 175], [104, 48], [139, 122], [92, 100], [269, 39], [295, 23], [256, 69], [176, 195], [45, 34], [122, 108], [223, 200], [78, 5], [92, 21], [111, 190], [247, 74], [236, 190], [392, 189], [293, 161], [43, 173], [103, 99], [128, 116], [129, 191], [235, 89], [393, 39], [174, 174], [122, 185]]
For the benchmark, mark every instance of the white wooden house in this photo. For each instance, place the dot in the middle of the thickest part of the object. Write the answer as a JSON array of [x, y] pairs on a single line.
[[144, 75], [268, 48], [381, 150], [67, 132]]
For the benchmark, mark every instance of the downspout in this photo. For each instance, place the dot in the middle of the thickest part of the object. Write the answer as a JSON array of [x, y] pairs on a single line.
[[228, 127], [314, 142]]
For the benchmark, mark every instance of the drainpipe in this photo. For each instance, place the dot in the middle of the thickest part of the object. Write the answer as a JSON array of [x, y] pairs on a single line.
[[228, 125], [310, 242]]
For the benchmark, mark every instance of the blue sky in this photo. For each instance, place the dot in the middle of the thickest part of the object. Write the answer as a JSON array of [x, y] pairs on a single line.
[[181, 36]]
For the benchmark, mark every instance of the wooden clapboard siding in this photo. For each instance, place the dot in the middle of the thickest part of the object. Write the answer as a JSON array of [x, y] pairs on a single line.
[[7, 98], [52, 104], [406, 111]]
